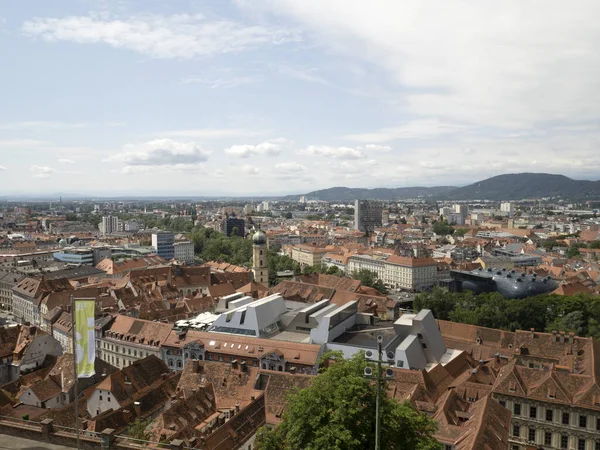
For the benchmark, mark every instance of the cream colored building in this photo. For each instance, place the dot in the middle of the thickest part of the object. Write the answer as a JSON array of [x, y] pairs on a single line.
[[398, 271], [260, 269], [308, 255]]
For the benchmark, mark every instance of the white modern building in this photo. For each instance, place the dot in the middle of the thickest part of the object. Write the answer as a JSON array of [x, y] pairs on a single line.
[[508, 208], [163, 242], [109, 224], [184, 251]]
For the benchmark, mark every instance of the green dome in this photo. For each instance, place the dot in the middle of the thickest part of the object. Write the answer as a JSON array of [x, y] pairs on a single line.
[[259, 238]]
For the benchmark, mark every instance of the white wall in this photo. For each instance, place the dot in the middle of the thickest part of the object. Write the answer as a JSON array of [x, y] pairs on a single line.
[[94, 403]]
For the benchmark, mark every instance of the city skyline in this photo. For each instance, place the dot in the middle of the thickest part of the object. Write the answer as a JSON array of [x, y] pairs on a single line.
[[250, 98]]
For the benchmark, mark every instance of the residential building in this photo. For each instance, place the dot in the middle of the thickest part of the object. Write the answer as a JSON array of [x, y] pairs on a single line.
[[8, 280], [508, 208], [29, 293], [260, 270], [184, 251], [128, 339], [550, 382], [163, 242], [368, 214], [308, 255], [109, 224], [82, 255]]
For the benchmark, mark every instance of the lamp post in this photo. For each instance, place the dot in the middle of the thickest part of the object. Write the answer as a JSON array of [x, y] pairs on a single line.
[[389, 373]]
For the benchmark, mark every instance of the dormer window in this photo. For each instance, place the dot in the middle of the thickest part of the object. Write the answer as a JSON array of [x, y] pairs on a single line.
[[512, 387]]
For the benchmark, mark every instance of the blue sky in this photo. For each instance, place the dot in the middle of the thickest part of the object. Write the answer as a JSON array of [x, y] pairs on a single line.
[[281, 96]]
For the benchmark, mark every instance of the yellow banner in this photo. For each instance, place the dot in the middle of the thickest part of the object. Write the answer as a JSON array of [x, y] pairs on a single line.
[[85, 337]]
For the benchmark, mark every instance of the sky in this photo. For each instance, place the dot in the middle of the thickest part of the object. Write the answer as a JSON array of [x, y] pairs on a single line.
[[250, 97]]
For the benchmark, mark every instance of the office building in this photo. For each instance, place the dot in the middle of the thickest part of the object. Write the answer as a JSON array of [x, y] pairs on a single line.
[[367, 215], [164, 244], [233, 225]]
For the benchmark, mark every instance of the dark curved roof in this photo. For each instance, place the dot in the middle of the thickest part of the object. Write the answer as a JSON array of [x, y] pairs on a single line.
[[510, 283]]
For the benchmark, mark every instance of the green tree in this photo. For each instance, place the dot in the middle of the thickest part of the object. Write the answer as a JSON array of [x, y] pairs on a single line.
[[287, 215], [442, 228], [594, 244], [460, 232], [337, 412], [573, 252], [137, 430], [367, 277]]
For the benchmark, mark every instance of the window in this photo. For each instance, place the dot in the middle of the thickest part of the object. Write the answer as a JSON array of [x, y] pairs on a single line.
[[531, 436], [549, 415], [170, 363], [547, 438], [533, 412], [582, 421], [448, 447], [598, 423], [580, 444], [597, 445], [179, 364], [503, 403], [423, 345], [565, 418], [100, 397], [517, 409], [564, 441], [516, 430]]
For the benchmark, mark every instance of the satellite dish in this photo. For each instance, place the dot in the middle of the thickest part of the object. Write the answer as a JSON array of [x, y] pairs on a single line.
[[368, 372], [380, 339], [369, 353], [390, 355], [389, 373]]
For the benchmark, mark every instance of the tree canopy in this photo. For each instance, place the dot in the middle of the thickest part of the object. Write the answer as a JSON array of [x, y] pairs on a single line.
[[370, 279], [579, 313], [337, 412]]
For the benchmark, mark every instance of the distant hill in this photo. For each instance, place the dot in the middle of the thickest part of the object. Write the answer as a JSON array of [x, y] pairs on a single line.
[[345, 194], [514, 186], [518, 186]]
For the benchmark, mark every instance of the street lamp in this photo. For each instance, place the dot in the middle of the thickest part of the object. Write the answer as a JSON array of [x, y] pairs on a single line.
[[368, 373]]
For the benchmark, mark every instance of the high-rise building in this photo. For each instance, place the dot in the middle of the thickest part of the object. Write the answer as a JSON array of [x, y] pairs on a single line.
[[164, 243], [260, 269], [110, 224], [184, 251], [367, 215], [233, 225], [509, 208], [303, 199], [266, 205]]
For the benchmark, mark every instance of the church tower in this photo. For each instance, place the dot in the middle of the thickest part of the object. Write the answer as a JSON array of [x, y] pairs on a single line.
[[259, 258]]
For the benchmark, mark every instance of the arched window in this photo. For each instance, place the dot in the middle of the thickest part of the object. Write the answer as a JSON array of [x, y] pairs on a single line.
[[200, 357], [179, 365], [260, 252], [264, 365], [186, 355], [170, 363], [193, 356]]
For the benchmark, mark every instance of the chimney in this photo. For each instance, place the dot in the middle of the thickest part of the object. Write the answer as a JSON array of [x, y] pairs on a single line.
[[532, 330], [237, 407], [234, 363], [137, 408], [243, 366], [562, 337]]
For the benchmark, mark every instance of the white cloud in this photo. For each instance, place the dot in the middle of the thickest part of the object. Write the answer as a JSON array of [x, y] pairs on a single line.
[[210, 133], [42, 171], [66, 161], [378, 148], [251, 170], [42, 125], [245, 151], [180, 36], [417, 129], [334, 152], [160, 153], [468, 62], [290, 167], [223, 82]]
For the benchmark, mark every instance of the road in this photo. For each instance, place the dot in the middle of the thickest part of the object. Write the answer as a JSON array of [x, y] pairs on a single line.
[[13, 443]]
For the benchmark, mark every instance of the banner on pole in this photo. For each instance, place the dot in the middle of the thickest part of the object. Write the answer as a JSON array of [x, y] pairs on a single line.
[[85, 345]]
